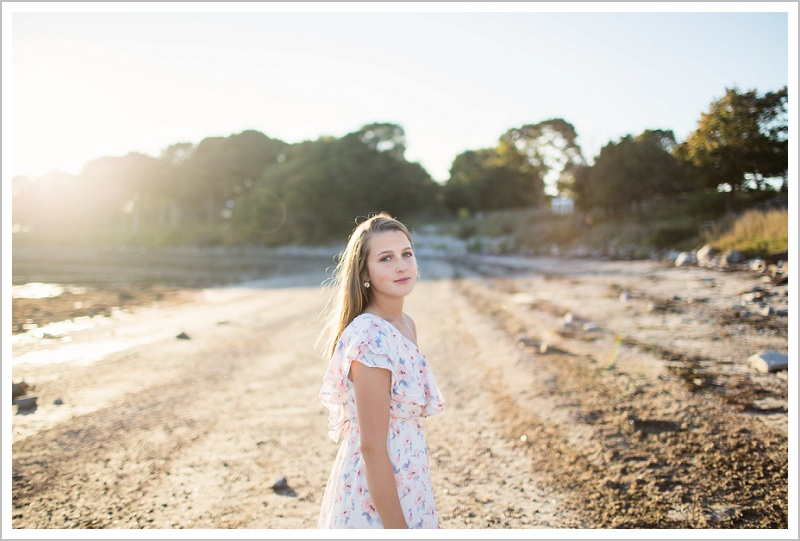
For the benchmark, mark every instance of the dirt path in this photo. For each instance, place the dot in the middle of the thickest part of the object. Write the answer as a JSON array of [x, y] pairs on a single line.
[[642, 413]]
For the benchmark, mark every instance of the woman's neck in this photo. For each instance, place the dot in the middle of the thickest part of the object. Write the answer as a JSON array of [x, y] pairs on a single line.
[[390, 310]]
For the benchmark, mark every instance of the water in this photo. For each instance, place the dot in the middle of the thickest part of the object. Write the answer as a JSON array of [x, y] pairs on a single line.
[[85, 353], [39, 290]]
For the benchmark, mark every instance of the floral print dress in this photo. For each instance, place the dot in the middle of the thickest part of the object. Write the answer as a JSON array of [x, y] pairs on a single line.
[[346, 502]]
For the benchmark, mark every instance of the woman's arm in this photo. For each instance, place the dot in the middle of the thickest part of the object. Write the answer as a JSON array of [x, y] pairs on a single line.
[[373, 398]]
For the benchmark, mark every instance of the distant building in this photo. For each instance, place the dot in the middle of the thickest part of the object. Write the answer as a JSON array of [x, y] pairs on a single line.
[[562, 206]]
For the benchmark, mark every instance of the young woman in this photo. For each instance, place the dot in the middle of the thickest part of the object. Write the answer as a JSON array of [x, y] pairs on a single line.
[[377, 387]]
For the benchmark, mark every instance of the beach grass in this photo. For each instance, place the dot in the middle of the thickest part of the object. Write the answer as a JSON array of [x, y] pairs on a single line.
[[754, 232]]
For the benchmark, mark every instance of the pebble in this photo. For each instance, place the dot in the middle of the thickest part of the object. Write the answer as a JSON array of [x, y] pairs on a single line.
[[769, 361], [280, 484], [26, 404]]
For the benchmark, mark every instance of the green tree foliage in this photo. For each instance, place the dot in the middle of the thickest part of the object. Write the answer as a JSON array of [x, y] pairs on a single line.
[[245, 187], [221, 169], [549, 147], [486, 180], [628, 173], [385, 138], [660, 174], [740, 142], [513, 173], [177, 153], [320, 186], [253, 188], [466, 177]]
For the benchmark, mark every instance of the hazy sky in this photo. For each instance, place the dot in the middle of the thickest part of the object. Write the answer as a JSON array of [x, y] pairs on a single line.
[[86, 85]]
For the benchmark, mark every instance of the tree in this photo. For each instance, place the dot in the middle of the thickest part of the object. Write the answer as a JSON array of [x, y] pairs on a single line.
[[628, 173], [657, 169], [221, 169], [320, 187], [466, 175], [178, 153], [383, 137], [513, 173], [489, 179], [740, 142], [548, 148]]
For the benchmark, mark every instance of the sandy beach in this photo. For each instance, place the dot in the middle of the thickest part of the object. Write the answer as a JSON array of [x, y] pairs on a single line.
[[581, 394]]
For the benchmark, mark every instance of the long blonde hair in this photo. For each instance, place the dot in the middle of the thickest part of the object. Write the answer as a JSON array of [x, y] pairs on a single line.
[[351, 297]]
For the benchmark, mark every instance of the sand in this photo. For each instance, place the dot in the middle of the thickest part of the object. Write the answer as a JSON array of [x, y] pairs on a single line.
[[580, 395]]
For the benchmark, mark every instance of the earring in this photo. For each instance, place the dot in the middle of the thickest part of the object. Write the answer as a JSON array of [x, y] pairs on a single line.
[[366, 284]]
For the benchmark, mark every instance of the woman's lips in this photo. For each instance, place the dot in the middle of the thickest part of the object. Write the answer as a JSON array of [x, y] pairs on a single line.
[[402, 280]]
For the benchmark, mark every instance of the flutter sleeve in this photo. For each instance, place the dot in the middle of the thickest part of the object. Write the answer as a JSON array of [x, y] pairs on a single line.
[[361, 342]]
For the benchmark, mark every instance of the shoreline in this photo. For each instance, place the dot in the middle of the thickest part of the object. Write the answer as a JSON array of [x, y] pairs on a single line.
[[101, 283]]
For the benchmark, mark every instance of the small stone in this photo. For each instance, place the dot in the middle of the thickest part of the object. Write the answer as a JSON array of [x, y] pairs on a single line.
[[733, 257], [769, 361], [26, 404], [58, 402], [684, 259], [280, 484], [705, 254], [756, 265], [18, 389], [526, 341], [183, 336], [765, 311]]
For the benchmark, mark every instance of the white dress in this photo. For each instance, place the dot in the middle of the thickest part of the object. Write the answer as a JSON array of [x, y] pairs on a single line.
[[346, 502]]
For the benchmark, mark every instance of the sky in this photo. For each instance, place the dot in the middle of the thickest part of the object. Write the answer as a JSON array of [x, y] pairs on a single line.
[[140, 77]]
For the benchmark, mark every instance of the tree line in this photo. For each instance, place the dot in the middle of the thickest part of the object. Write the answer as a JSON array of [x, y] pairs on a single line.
[[250, 188]]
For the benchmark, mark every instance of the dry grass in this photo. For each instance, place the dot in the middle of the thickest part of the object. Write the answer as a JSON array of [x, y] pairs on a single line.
[[756, 232]]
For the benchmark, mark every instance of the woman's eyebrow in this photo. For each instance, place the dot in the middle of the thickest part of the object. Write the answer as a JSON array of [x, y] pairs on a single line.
[[390, 251]]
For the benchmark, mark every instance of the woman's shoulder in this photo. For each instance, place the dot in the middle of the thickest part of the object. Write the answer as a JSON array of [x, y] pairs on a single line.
[[367, 333], [361, 326], [361, 321], [376, 326], [367, 321], [372, 328]]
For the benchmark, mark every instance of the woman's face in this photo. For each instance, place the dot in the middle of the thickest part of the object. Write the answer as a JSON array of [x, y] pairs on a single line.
[[391, 264]]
